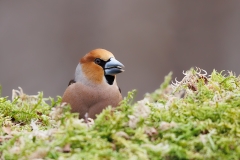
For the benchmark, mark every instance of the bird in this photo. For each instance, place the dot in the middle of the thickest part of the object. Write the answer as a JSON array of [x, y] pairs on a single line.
[[94, 87]]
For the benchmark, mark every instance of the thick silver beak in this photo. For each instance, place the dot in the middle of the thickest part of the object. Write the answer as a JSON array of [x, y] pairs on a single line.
[[113, 67]]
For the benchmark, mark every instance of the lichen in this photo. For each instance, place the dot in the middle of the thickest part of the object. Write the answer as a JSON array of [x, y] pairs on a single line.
[[195, 118]]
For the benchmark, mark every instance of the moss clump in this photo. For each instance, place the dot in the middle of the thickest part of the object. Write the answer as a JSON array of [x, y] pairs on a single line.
[[196, 118]]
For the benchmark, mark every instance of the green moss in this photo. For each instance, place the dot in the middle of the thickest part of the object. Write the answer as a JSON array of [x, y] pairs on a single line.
[[195, 118], [0, 91]]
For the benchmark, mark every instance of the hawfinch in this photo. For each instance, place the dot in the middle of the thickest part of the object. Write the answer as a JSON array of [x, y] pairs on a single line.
[[94, 86]]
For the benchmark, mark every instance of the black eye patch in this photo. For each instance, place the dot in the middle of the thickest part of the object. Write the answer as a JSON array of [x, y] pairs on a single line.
[[109, 78], [100, 62], [97, 61]]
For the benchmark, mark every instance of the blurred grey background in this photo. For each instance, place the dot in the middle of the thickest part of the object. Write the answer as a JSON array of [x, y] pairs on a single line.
[[41, 42]]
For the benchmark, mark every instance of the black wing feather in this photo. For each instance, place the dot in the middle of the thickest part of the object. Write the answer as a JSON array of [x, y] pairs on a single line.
[[71, 82]]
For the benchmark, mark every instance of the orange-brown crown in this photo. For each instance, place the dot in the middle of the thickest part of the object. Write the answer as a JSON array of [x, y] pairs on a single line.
[[93, 71]]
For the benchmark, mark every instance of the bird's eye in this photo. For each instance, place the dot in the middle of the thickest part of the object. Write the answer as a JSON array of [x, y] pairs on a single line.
[[97, 61]]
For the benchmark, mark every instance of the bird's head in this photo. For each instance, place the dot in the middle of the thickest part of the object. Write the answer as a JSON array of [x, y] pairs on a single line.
[[99, 64]]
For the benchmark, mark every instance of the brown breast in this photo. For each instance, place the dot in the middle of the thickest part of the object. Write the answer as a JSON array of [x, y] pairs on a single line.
[[93, 100]]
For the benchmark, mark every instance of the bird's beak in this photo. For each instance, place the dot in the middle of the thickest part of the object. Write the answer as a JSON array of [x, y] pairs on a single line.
[[113, 67]]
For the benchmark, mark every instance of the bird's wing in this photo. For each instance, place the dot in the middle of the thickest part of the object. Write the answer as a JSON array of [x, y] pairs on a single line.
[[119, 89], [71, 82]]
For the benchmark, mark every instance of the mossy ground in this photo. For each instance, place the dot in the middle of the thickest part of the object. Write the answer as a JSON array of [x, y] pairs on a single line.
[[196, 118]]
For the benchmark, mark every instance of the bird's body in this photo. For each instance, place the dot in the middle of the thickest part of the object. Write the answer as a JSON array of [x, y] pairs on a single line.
[[94, 86]]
